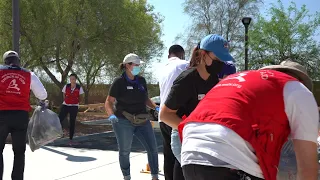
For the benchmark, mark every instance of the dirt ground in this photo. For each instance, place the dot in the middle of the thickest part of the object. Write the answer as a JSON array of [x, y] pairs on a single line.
[[91, 116], [84, 129]]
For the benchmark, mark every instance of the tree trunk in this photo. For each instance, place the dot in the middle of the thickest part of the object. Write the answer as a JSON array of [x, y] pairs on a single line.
[[86, 96], [61, 98]]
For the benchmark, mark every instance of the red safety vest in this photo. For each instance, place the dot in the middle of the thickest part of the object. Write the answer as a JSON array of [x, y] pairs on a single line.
[[14, 88], [251, 104], [72, 96]]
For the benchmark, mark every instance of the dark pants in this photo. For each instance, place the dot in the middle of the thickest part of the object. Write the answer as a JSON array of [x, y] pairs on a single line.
[[72, 111], [199, 172], [15, 123], [172, 168]]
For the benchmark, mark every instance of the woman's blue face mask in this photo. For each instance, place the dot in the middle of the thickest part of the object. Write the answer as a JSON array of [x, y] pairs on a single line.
[[135, 70]]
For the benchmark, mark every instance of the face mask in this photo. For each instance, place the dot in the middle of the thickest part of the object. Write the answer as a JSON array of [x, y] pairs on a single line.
[[135, 70], [215, 67]]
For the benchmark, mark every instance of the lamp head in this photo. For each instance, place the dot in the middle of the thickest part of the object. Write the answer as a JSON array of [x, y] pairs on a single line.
[[246, 21]]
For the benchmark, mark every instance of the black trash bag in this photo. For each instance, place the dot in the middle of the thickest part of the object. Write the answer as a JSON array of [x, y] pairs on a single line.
[[288, 164], [44, 127]]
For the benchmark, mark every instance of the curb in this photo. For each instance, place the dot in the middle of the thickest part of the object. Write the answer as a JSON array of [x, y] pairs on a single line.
[[81, 138], [104, 122], [85, 137]]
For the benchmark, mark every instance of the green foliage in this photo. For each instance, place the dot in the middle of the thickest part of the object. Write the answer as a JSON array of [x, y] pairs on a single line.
[[219, 17], [88, 37], [287, 33]]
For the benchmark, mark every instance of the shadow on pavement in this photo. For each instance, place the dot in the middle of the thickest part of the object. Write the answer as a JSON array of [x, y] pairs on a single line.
[[71, 157], [109, 142]]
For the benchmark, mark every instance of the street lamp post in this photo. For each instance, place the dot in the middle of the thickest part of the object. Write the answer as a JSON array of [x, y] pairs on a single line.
[[246, 22], [15, 26]]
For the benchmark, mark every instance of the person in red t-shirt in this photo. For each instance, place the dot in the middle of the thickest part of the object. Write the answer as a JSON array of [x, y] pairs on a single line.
[[15, 86], [238, 129], [70, 105]]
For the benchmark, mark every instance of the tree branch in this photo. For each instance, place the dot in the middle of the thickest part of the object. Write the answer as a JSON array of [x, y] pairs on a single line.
[[58, 58], [52, 77]]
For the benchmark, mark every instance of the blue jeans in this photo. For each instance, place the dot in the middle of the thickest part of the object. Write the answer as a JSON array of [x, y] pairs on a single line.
[[176, 144], [124, 132]]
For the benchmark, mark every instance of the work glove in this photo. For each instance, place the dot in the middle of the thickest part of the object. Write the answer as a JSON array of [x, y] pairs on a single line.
[[113, 118], [42, 104], [157, 108]]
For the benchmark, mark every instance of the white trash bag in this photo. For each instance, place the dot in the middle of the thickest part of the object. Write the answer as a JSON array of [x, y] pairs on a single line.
[[288, 165], [44, 127]]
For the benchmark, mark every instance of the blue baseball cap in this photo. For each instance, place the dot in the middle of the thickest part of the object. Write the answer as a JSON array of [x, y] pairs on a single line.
[[218, 45]]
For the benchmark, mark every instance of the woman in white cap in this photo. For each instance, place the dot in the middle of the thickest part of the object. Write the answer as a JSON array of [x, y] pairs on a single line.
[[190, 87], [129, 94]]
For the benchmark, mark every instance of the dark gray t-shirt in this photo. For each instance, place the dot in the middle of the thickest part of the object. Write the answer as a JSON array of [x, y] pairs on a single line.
[[131, 96]]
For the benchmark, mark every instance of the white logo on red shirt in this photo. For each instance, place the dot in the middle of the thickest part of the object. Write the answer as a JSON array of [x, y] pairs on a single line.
[[239, 77], [13, 85]]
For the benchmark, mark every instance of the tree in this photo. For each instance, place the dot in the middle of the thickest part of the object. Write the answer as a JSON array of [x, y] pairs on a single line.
[[85, 36], [52, 33], [219, 17], [137, 30], [287, 33]]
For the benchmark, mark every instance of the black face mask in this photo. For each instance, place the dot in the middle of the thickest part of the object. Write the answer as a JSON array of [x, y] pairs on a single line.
[[215, 68]]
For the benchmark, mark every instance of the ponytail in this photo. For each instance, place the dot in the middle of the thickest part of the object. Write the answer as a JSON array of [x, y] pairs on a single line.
[[122, 66], [195, 58]]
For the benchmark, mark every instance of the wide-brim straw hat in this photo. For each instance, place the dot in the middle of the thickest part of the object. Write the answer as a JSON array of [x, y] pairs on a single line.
[[296, 69]]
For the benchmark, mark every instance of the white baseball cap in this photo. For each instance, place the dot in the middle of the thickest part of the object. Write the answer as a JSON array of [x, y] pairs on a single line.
[[132, 58], [10, 54]]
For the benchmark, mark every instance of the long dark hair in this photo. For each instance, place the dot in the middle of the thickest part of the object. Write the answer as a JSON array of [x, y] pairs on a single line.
[[196, 56]]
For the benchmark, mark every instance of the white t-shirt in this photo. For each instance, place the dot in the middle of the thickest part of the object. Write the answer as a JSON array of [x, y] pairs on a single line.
[[170, 72], [37, 87], [64, 91], [216, 145]]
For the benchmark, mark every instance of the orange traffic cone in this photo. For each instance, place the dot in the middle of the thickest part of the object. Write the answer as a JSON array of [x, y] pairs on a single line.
[[147, 170]]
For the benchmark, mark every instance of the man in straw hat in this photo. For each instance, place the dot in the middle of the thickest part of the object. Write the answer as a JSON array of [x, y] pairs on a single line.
[[238, 129]]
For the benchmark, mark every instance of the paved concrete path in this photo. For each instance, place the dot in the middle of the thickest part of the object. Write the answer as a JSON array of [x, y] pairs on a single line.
[[155, 124], [62, 163]]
